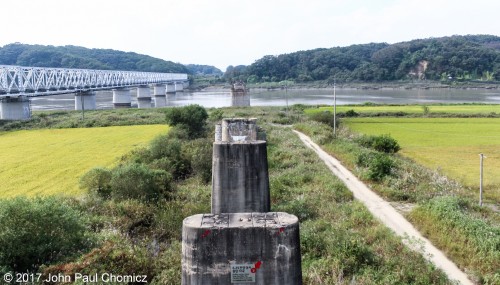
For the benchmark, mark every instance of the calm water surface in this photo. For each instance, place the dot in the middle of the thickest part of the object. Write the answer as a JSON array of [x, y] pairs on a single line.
[[281, 98]]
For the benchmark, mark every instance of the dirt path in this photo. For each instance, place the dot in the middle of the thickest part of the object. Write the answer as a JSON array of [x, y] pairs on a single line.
[[382, 210]]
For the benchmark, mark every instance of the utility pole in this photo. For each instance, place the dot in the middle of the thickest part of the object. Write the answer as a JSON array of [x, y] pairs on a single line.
[[334, 110], [481, 178]]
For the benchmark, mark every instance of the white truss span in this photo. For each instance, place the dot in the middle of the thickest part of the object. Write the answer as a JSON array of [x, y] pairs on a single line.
[[41, 81]]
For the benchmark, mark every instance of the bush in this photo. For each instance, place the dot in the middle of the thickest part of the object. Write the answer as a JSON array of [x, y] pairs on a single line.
[[325, 117], [39, 231], [192, 118], [379, 165], [199, 152], [382, 143], [136, 181], [167, 155], [351, 113], [97, 182]]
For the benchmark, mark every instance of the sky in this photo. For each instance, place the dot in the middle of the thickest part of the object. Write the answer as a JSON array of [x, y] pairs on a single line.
[[238, 32]]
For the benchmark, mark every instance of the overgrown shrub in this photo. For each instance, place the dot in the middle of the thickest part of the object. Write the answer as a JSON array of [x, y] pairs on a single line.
[[199, 153], [167, 154], [136, 181], [382, 143], [351, 113], [378, 165], [325, 117], [39, 231], [192, 118], [97, 182]]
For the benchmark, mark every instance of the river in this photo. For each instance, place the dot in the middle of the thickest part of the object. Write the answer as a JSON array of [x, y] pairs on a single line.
[[261, 97]]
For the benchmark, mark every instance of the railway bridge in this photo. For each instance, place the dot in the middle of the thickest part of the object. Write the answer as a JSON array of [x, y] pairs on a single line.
[[18, 84]]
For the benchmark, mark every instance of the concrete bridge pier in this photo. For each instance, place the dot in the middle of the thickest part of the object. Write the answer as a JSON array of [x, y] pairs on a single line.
[[170, 88], [15, 108], [144, 97], [159, 91], [85, 100], [122, 98], [179, 86]]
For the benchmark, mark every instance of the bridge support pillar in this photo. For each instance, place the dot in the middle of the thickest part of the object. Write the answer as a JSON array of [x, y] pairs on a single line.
[[159, 90], [179, 86], [15, 108], [144, 97], [121, 97], [170, 87], [85, 100]]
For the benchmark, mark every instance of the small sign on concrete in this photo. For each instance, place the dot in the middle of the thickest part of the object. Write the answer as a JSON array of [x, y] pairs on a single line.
[[242, 273]]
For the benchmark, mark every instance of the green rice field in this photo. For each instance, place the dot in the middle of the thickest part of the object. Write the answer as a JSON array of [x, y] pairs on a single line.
[[51, 161], [451, 145], [465, 109]]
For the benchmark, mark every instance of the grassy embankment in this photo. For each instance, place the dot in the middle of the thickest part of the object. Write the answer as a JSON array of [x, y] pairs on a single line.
[[341, 242], [447, 211]]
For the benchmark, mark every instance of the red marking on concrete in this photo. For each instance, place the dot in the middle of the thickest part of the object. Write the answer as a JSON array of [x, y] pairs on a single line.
[[253, 270], [258, 264], [280, 231], [205, 234]]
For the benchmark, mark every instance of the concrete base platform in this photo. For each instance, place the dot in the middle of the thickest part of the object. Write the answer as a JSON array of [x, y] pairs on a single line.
[[241, 248]]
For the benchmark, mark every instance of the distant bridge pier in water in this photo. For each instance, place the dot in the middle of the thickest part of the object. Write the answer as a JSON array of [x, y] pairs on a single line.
[[159, 91], [144, 96], [170, 88], [15, 108], [179, 86], [85, 100], [122, 97]]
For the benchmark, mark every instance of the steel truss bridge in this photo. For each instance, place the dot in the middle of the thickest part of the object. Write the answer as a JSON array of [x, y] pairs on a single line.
[[43, 81]]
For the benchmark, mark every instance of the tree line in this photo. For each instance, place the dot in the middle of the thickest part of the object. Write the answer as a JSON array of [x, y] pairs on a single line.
[[80, 57], [471, 57]]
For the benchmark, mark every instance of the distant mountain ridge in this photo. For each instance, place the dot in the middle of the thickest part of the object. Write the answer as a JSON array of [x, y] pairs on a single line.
[[470, 57], [80, 57]]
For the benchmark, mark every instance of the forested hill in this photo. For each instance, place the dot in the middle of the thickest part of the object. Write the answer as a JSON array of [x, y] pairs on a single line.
[[472, 57], [80, 57]]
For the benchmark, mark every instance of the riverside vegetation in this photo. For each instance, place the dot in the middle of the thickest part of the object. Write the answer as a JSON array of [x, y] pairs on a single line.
[[129, 222], [445, 210]]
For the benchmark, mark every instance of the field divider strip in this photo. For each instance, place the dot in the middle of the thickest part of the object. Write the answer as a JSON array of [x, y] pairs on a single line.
[[383, 211]]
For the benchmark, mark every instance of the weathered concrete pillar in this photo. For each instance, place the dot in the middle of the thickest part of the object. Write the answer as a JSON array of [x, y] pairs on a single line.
[[240, 177], [85, 100], [240, 181], [239, 129], [242, 248], [144, 97], [121, 97], [15, 108], [159, 90], [179, 87], [160, 101], [170, 87]]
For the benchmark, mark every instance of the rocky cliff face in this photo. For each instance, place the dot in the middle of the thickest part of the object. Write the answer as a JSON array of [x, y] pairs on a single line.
[[418, 72]]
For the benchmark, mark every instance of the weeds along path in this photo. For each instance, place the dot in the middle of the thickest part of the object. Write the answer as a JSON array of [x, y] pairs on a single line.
[[382, 210]]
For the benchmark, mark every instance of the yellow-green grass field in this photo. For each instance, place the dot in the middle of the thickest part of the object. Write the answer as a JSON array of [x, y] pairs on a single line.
[[466, 109], [51, 161], [452, 145]]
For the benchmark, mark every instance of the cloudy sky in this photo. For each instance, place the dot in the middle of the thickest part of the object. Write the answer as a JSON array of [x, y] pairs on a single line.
[[233, 32]]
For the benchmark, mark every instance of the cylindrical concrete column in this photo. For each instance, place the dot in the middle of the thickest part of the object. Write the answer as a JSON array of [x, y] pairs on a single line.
[[143, 97], [17, 108], [249, 248], [240, 178], [85, 100], [159, 90], [122, 98], [179, 87], [170, 87]]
